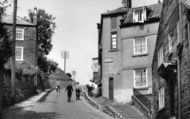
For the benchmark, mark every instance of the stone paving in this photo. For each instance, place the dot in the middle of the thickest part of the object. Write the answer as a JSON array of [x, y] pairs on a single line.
[[118, 111]]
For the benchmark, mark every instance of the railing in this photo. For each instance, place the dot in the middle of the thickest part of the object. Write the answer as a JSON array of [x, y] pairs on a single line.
[[141, 106]]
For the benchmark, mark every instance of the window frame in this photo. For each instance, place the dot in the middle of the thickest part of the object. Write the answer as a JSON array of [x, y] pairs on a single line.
[[22, 53], [138, 15], [134, 47], [170, 42], [22, 33], [161, 98], [112, 41], [134, 73], [160, 53]]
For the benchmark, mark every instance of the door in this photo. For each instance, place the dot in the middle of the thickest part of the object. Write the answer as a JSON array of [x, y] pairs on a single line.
[[111, 88]]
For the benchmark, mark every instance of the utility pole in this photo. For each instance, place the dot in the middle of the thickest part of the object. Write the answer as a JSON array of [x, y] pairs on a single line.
[[13, 52], [35, 21], [65, 55], [65, 62]]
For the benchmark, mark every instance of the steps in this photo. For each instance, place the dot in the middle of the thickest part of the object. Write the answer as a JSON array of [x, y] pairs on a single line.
[[118, 111]]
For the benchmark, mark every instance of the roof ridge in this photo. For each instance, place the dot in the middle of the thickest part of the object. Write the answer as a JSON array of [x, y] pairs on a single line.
[[21, 21]]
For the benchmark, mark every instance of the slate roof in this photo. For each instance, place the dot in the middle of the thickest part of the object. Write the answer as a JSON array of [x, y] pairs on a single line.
[[116, 11], [8, 19], [153, 12]]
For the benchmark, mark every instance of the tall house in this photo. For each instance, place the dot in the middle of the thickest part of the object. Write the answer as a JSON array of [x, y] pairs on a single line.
[[110, 51], [171, 62], [25, 38], [138, 37], [127, 39]]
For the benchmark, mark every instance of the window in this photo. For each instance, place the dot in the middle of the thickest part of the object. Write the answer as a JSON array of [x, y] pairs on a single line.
[[19, 34], [140, 78], [140, 45], [139, 15], [114, 40], [170, 42], [19, 53], [160, 56], [113, 22], [161, 98], [139, 12]]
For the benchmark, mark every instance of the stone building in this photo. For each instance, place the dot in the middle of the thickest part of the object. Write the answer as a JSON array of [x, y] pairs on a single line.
[[138, 37], [25, 39], [171, 62], [109, 51], [127, 39]]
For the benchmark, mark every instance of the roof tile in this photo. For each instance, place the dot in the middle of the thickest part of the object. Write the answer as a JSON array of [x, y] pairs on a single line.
[[20, 21], [154, 11]]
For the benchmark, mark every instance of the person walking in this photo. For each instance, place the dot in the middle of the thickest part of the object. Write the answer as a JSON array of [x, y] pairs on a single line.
[[69, 90], [77, 91], [58, 87]]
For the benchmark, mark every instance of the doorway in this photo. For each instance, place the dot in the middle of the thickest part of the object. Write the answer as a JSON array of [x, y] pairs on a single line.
[[111, 94]]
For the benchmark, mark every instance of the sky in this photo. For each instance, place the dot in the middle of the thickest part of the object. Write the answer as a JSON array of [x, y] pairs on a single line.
[[76, 30]]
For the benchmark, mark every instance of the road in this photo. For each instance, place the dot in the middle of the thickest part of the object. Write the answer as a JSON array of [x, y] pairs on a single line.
[[55, 106]]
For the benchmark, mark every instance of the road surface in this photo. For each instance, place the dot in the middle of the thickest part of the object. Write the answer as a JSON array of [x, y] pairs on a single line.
[[55, 106]]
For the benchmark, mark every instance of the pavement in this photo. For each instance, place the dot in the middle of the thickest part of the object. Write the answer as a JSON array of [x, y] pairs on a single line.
[[53, 106], [118, 111]]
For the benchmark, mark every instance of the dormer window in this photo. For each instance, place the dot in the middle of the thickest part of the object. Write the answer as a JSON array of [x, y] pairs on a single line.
[[139, 12], [139, 15]]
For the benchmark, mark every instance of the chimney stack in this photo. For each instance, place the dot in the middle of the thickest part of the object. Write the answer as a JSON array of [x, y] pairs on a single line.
[[34, 21], [126, 3]]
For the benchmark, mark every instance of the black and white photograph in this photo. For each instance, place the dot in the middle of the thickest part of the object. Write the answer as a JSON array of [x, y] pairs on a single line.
[[94, 59]]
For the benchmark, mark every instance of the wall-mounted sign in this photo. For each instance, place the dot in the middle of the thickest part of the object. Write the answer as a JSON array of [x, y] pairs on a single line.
[[108, 60]]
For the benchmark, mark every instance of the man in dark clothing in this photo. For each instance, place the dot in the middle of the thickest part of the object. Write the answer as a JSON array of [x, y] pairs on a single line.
[[77, 91], [69, 90]]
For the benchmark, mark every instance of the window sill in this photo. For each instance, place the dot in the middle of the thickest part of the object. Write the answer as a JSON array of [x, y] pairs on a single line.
[[161, 109], [114, 50], [140, 55], [18, 60], [142, 88]]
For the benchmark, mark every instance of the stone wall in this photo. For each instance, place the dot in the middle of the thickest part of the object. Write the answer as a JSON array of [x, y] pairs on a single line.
[[29, 42], [168, 24]]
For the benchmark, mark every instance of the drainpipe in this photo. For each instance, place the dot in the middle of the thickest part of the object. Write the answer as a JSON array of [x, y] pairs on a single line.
[[178, 60]]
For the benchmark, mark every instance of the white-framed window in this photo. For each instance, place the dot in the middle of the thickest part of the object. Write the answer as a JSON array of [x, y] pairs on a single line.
[[161, 98], [140, 78], [170, 42], [19, 52], [139, 15], [140, 45], [19, 34], [114, 40], [160, 56]]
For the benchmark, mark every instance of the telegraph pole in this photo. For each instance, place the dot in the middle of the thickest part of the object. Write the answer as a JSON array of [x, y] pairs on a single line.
[[65, 55], [13, 52], [65, 62]]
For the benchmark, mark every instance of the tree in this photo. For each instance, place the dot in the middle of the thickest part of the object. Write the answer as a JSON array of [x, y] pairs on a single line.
[[45, 30], [5, 46], [47, 66], [46, 26]]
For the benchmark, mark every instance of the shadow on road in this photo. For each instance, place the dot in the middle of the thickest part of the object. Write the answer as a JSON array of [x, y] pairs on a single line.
[[41, 115], [45, 96]]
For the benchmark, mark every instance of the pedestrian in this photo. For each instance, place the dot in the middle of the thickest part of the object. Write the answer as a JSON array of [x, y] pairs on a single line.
[[69, 90], [77, 91], [58, 87]]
